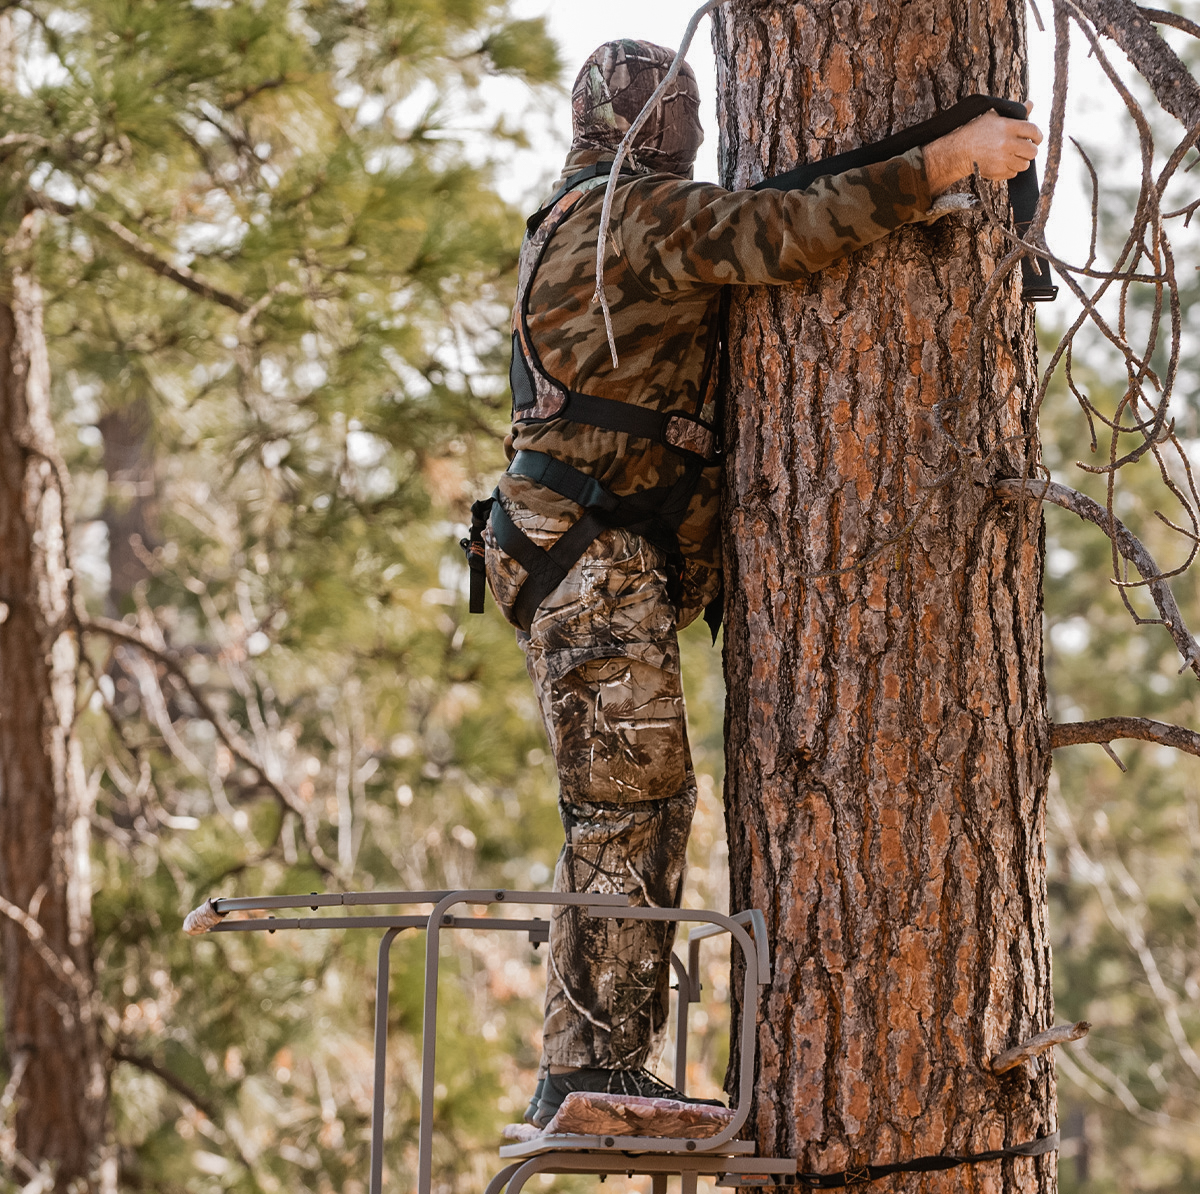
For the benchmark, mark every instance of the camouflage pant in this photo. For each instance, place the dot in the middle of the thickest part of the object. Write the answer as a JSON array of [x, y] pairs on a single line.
[[604, 661]]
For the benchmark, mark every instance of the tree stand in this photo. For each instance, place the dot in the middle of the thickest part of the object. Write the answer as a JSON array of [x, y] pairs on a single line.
[[730, 1160]]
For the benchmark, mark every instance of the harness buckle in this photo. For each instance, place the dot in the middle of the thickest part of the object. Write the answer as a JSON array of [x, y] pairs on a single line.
[[476, 552]]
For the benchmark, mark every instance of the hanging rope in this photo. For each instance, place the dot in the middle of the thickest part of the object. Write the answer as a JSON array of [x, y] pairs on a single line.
[[622, 150]]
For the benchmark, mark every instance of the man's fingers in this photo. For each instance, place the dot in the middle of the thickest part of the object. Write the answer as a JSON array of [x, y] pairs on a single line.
[[1028, 130]]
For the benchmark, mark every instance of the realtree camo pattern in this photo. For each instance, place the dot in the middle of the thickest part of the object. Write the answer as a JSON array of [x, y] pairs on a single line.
[[604, 661], [673, 245], [602, 651], [612, 89]]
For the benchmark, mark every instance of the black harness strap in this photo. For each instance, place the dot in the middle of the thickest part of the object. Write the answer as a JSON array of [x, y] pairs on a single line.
[[473, 545], [546, 569], [585, 175], [859, 1175], [566, 480], [1023, 193]]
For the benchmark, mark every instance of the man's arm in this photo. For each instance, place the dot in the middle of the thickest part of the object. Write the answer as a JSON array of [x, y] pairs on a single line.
[[1002, 148]]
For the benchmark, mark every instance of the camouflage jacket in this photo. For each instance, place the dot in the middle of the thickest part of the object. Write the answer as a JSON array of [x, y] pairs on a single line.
[[674, 244]]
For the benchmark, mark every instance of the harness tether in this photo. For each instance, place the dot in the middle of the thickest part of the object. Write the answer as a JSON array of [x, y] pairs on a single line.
[[1023, 192]]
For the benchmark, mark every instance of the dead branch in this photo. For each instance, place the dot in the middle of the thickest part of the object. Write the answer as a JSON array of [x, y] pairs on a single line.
[[1170, 80], [1107, 729], [1130, 547], [186, 1091], [145, 252], [1061, 1034], [1161, 16], [124, 1054]]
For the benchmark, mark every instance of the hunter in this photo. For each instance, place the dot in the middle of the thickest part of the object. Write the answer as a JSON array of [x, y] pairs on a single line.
[[602, 538]]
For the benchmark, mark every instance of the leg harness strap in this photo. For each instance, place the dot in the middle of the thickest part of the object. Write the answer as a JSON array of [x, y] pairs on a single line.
[[546, 568]]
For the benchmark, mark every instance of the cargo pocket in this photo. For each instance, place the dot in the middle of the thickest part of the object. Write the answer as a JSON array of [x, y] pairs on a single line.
[[618, 730]]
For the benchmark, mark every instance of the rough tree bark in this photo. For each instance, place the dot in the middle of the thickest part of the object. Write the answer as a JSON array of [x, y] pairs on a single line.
[[52, 1036], [888, 746]]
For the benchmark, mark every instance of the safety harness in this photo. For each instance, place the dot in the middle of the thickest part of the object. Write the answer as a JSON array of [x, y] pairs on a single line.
[[656, 513]]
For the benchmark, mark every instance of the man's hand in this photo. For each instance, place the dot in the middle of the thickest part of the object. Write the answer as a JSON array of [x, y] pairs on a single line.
[[1001, 147]]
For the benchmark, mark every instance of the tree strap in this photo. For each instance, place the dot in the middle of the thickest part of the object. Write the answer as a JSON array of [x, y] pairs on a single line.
[[1023, 193], [860, 1175]]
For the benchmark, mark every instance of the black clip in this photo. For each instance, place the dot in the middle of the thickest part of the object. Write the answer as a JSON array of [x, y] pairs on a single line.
[[476, 553]]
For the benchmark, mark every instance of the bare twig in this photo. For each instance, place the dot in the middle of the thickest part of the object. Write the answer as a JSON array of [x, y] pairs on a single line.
[[622, 150], [1161, 16], [1061, 1034], [1130, 547], [146, 253], [1170, 80], [1108, 729]]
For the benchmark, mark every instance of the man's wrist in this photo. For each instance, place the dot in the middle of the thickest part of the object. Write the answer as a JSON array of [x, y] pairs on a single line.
[[945, 163]]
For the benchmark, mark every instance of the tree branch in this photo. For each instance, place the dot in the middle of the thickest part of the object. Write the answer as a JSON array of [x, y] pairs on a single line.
[[177, 1084], [1130, 27], [1107, 729], [1059, 1035], [1161, 16], [1130, 547], [62, 968], [225, 730], [145, 252], [208, 1108]]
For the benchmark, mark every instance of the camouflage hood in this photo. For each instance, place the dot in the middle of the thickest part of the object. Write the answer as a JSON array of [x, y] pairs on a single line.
[[613, 87]]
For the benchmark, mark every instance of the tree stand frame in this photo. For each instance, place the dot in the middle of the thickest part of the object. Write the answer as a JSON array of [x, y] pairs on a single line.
[[730, 1160]]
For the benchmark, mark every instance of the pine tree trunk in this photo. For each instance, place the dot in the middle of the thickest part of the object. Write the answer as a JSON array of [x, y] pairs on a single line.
[[52, 1035], [887, 738], [131, 509]]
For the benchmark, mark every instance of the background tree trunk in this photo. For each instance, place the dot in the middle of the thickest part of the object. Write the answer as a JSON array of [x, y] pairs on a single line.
[[887, 740], [131, 507], [51, 1031]]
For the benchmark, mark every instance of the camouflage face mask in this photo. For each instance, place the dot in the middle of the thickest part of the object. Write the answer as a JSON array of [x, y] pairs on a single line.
[[613, 87]]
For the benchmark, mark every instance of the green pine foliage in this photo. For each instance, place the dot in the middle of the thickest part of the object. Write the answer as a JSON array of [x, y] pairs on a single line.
[[268, 243]]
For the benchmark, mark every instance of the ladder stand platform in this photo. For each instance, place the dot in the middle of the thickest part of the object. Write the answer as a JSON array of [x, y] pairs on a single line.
[[722, 1155]]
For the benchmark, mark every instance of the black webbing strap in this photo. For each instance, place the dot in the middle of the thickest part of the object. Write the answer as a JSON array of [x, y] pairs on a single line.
[[566, 480], [665, 503], [584, 175], [613, 415], [545, 569], [862, 1174], [1036, 283]]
